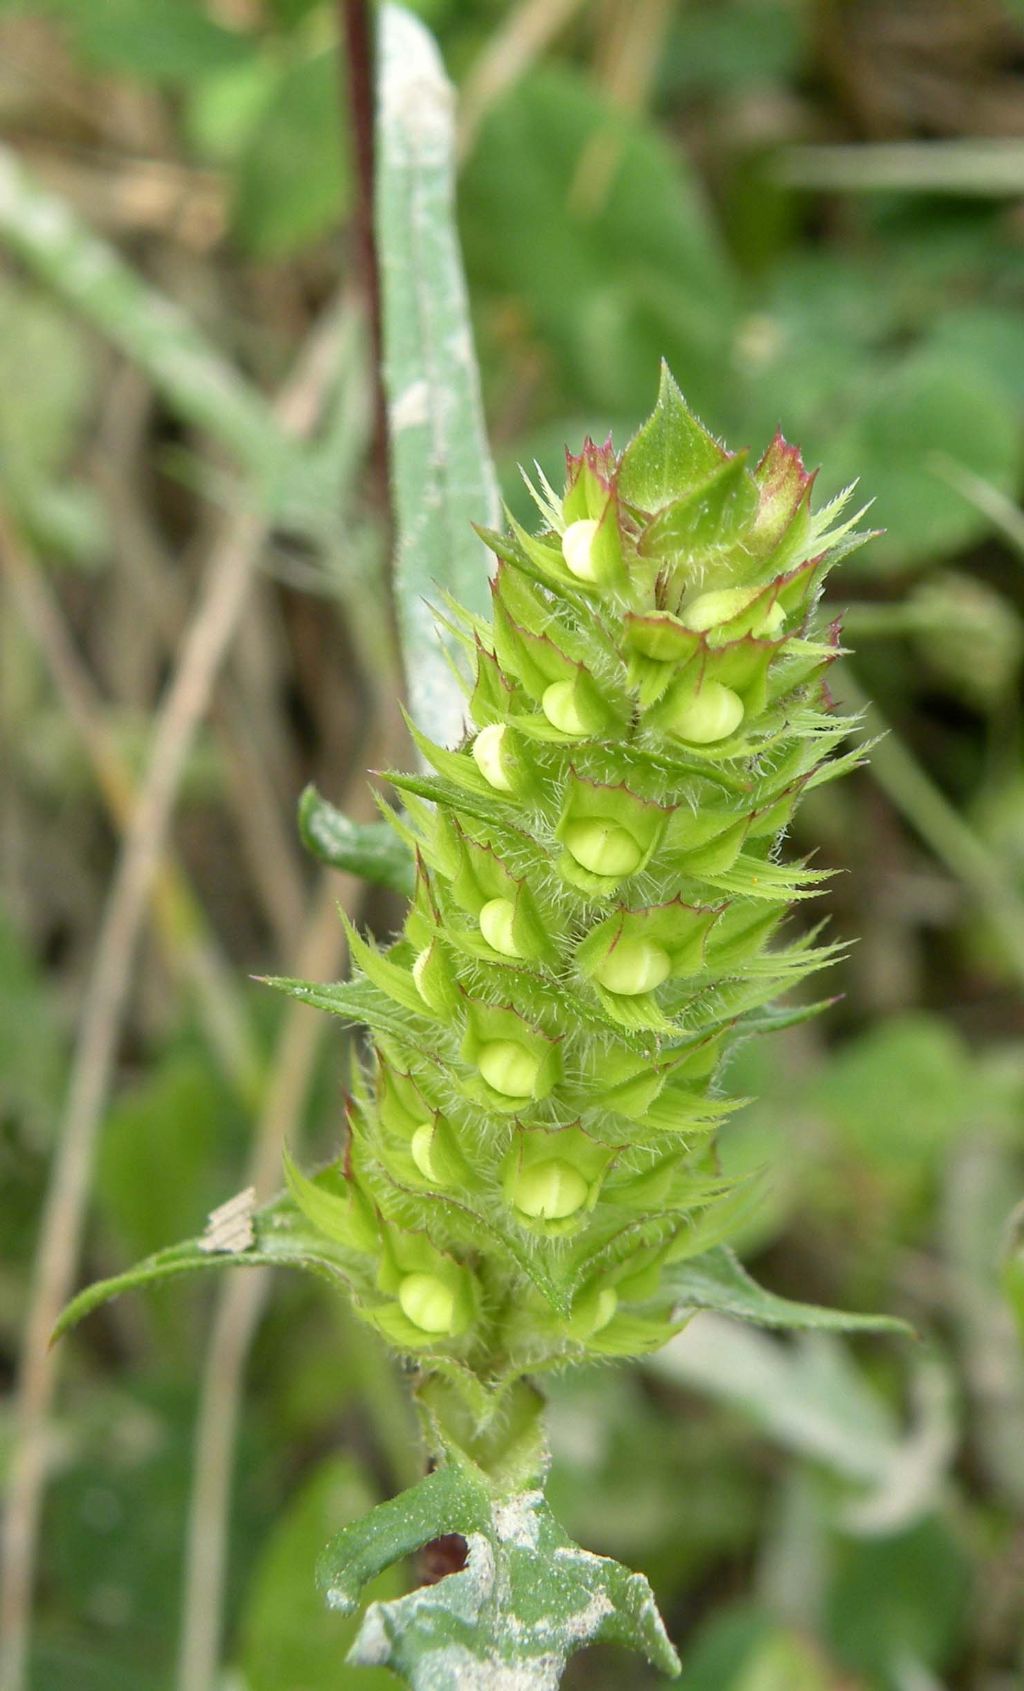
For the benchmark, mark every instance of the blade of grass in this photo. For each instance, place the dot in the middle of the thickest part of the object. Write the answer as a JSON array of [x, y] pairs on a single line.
[[1003, 513], [151, 329], [442, 477], [940, 826], [983, 168]]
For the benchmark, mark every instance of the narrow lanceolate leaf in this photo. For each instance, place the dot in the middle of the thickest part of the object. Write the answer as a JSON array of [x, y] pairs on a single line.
[[441, 470], [281, 1237], [527, 1599], [371, 850], [717, 1281]]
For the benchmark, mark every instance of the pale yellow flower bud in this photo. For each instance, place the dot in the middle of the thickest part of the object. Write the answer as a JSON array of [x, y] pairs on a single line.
[[496, 921], [710, 609], [549, 1191], [491, 756], [605, 848], [428, 1303], [422, 1148], [712, 714], [578, 548], [509, 1067], [633, 966]]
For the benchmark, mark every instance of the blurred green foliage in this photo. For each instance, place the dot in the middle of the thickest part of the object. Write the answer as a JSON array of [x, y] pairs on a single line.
[[628, 195]]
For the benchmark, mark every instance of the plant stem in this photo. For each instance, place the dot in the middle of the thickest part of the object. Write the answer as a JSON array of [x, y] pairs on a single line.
[[355, 23]]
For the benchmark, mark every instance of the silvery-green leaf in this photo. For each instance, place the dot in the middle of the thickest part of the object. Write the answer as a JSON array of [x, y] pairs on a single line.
[[442, 477], [526, 1600]]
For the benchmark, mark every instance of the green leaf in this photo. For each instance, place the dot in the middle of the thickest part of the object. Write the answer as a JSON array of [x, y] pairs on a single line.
[[718, 1281], [442, 476], [933, 409], [602, 271], [912, 1070], [289, 1642], [47, 370], [161, 41], [901, 1599], [282, 1238], [168, 1146], [371, 850], [357, 1001], [292, 180], [527, 1599], [1013, 1269], [32, 1054]]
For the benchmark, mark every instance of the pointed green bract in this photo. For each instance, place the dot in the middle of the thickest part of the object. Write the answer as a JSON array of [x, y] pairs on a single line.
[[371, 850], [672, 453], [442, 476]]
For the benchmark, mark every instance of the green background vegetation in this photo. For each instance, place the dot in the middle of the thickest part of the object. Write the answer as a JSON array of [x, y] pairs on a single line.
[[701, 181]]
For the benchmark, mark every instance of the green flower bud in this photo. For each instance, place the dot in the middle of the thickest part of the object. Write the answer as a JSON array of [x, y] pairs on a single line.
[[509, 1068], [490, 754], [419, 968], [633, 966], [429, 1303], [702, 718], [564, 710], [593, 1311], [421, 1147], [548, 1191], [578, 548], [710, 609], [496, 921], [604, 848], [606, 1306]]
